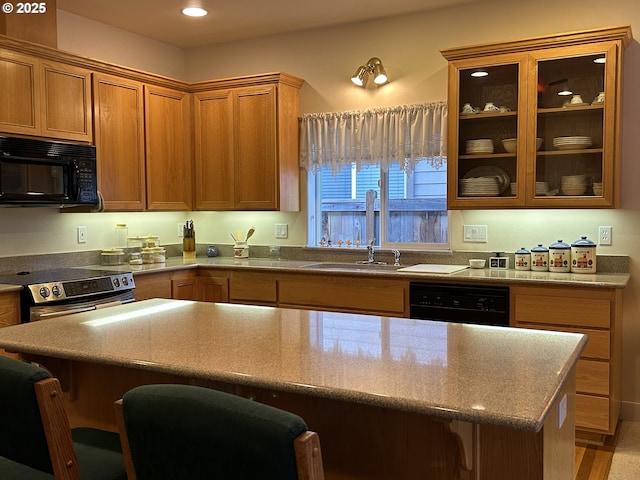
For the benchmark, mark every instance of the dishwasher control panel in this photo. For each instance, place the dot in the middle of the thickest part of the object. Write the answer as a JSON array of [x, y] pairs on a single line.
[[486, 305]]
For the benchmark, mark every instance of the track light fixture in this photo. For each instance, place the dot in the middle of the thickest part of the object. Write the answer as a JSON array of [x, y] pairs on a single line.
[[373, 68]]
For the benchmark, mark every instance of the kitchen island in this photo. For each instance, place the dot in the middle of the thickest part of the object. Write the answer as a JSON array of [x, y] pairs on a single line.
[[390, 397]]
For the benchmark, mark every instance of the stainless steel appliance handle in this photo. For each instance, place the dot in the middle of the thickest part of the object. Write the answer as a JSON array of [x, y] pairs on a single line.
[[60, 313]]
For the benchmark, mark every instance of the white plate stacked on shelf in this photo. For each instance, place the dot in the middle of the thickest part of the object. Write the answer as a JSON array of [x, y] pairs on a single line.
[[597, 189], [574, 184], [480, 146], [542, 188], [572, 143], [480, 187], [485, 181]]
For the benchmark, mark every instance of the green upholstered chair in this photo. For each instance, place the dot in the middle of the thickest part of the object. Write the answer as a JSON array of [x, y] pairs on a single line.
[[183, 431], [36, 440]]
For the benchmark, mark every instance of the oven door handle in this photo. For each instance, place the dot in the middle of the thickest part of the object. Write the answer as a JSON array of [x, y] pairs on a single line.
[[115, 303], [60, 313]]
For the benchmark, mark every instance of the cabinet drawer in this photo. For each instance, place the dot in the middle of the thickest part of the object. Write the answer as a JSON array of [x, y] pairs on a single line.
[[592, 377], [9, 309], [253, 288], [592, 412], [579, 308], [153, 285], [598, 346], [344, 294]]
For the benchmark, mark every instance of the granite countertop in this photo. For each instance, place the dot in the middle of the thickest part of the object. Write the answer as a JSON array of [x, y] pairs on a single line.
[[469, 275], [502, 376], [484, 275]]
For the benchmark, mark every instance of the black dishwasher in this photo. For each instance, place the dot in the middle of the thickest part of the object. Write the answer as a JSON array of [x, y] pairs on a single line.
[[483, 305]]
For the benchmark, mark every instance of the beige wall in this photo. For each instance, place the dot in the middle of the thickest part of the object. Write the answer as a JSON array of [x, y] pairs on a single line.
[[409, 47]]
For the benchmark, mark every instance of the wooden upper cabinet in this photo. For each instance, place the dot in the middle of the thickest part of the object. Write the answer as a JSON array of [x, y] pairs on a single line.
[[214, 150], [168, 153], [44, 98], [566, 152], [67, 102], [119, 139], [19, 96], [246, 143], [256, 183]]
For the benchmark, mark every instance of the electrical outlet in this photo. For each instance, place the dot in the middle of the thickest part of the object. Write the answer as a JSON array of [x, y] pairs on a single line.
[[82, 234], [475, 233], [604, 235], [282, 230], [180, 230]]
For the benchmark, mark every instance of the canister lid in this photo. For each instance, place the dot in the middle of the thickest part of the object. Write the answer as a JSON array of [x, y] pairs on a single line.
[[560, 245], [583, 242], [522, 251], [112, 251], [540, 248]]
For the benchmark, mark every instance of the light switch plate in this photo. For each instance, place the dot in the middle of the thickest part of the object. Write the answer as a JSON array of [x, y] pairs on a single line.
[[282, 230], [475, 233]]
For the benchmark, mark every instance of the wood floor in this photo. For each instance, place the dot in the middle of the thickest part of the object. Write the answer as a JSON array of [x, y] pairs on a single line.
[[594, 461]]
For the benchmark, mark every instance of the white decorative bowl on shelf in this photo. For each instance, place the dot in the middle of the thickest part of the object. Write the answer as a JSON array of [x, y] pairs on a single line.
[[511, 144]]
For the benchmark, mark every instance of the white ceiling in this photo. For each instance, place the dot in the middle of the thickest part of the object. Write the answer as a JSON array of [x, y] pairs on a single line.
[[231, 20]]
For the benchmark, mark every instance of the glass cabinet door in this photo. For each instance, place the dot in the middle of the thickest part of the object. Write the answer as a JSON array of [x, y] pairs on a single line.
[[573, 146], [487, 143]]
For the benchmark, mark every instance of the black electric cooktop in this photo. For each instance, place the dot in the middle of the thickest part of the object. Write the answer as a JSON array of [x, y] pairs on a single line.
[[35, 277]]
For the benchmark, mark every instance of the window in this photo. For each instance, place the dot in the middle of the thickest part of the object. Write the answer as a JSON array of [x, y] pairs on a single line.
[[374, 196]]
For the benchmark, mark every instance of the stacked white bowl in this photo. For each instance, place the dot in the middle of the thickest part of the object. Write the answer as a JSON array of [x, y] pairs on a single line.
[[597, 189], [542, 188], [480, 146], [511, 144], [572, 143], [574, 184], [480, 186]]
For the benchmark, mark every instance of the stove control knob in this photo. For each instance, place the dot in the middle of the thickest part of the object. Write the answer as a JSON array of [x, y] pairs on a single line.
[[44, 292], [116, 282], [125, 281], [56, 290]]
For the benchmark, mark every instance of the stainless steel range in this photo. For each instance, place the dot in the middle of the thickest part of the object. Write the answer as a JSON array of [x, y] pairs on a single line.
[[52, 293]]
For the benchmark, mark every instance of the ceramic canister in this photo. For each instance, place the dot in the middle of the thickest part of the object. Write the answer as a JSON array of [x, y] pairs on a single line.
[[241, 250], [560, 257], [583, 256], [522, 259], [539, 258]]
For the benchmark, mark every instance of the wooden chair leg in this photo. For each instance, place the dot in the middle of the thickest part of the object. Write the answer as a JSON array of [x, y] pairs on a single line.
[[308, 456], [124, 440]]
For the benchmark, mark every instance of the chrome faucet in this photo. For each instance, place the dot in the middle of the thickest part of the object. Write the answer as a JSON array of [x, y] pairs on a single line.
[[371, 255], [371, 252], [396, 257]]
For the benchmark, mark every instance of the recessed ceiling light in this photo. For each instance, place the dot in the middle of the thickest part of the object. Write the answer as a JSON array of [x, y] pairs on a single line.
[[194, 12], [479, 73]]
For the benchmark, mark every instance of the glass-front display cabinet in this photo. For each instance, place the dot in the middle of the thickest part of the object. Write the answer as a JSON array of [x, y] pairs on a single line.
[[535, 123]]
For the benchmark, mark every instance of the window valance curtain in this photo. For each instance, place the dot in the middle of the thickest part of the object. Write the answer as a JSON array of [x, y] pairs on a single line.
[[403, 134]]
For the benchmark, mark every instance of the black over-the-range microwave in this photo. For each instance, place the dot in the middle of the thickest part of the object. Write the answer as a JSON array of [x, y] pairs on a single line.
[[47, 173]]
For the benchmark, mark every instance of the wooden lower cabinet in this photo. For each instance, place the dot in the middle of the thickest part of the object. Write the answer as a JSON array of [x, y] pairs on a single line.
[[184, 286], [355, 294], [213, 286], [254, 288], [596, 313], [9, 312], [180, 285], [378, 296]]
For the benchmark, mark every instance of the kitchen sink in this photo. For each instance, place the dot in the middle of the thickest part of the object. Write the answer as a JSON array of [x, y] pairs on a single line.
[[350, 266]]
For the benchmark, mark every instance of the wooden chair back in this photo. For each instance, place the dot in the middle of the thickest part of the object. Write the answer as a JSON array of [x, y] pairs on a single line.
[[306, 446]]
